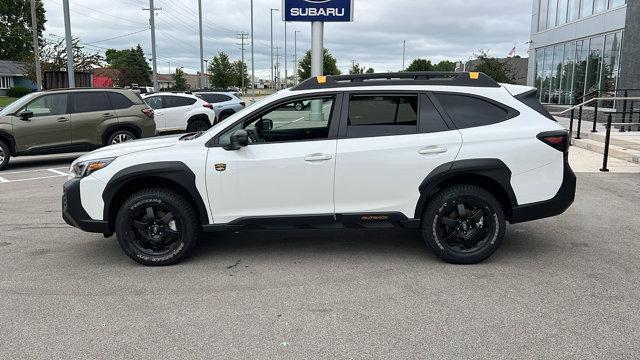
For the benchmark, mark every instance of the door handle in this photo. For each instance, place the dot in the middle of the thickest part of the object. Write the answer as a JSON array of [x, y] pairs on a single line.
[[318, 157], [106, 115], [432, 150], [62, 119]]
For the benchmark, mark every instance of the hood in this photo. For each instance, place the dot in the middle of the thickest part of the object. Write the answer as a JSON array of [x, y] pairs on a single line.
[[132, 147]]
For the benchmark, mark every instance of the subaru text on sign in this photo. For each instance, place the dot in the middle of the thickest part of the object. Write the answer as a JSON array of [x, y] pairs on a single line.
[[318, 10]]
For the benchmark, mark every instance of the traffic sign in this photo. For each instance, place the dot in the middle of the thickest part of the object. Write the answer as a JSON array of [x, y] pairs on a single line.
[[317, 10]]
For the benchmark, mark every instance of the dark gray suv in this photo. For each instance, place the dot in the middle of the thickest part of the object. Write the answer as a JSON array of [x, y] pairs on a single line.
[[70, 120]]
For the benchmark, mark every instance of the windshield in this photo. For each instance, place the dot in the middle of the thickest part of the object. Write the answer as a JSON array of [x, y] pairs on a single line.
[[228, 121], [18, 104]]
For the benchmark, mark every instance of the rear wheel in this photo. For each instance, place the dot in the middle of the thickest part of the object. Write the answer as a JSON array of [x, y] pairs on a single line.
[[120, 136], [157, 227], [299, 106], [225, 115], [5, 154], [463, 224], [198, 125]]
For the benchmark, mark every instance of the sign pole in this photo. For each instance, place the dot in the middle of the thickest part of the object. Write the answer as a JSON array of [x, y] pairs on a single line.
[[317, 64]]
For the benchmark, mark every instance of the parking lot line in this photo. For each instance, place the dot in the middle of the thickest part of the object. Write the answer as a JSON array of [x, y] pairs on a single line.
[[3, 180], [35, 178], [57, 172], [30, 171]]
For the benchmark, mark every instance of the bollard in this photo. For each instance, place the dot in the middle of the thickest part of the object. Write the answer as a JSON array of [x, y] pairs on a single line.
[[571, 127], [607, 140], [631, 116], [579, 123], [595, 118]]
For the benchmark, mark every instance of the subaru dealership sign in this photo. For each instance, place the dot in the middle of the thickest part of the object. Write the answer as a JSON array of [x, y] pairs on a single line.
[[318, 10]]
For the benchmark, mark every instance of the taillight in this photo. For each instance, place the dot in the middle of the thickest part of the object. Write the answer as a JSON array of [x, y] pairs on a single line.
[[148, 112], [243, 103], [558, 140], [207, 105]]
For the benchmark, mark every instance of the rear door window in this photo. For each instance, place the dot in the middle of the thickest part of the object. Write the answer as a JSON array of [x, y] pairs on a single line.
[[469, 111], [177, 101], [382, 115], [84, 102]]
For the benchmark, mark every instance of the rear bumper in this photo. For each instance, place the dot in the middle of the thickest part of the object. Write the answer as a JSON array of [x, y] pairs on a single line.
[[73, 213], [555, 206]]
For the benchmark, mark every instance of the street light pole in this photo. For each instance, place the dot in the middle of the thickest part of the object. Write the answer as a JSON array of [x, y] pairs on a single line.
[[295, 55], [404, 51], [36, 46], [253, 73], [272, 78], [67, 34], [201, 80], [286, 73], [152, 22], [317, 64]]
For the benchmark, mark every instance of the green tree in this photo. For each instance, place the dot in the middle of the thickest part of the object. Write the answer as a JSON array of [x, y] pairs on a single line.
[[222, 71], [370, 71], [16, 42], [445, 65], [420, 65], [53, 57], [132, 64], [330, 65], [356, 69], [497, 69], [240, 73], [179, 81]]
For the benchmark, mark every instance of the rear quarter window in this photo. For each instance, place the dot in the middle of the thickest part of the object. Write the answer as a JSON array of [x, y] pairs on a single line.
[[119, 101], [469, 111]]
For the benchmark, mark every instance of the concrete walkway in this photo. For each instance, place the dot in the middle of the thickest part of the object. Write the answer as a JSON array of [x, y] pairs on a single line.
[[585, 161]]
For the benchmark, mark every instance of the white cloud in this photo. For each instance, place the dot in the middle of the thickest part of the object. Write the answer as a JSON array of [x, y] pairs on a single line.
[[452, 29]]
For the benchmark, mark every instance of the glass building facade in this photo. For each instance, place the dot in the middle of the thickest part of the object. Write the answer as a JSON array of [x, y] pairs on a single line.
[[566, 72], [574, 55]]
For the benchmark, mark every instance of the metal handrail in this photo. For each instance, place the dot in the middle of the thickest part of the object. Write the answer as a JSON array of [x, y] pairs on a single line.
[[592, 100]]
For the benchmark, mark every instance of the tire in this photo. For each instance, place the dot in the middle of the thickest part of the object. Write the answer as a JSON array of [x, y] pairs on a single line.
[[224, 116], [299, 106], [120, 136], [469, 239], [198, 125], [5, 154], [161, 236]]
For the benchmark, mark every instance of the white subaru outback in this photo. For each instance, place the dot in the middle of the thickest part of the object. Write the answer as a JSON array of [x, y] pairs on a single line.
[[455, 154]]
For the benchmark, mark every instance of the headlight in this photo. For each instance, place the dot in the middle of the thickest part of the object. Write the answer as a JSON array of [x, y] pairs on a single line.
[[88, 167]]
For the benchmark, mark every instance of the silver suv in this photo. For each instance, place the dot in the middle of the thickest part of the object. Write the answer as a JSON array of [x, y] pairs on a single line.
[[224, 104]]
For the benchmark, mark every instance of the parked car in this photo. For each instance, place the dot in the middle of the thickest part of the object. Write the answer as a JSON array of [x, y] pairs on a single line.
[[181, 112], [224, 104], [454, 154], [69, 120]]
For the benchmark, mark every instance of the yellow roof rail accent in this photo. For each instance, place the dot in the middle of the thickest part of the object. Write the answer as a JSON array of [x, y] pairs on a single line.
[[322, 79], [474, 75]]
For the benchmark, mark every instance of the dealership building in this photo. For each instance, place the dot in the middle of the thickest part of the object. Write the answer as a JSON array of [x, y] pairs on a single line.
[[580, 47]]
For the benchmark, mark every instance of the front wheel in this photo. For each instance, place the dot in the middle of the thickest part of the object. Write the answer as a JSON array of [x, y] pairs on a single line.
[[299, 106], [463, 224], [157, 227], [5, 154]]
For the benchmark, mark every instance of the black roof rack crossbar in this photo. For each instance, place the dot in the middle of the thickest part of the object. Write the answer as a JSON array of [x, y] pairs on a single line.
[[472, 79]]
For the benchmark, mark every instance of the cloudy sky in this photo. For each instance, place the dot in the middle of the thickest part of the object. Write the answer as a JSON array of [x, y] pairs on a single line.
[[433, 29]]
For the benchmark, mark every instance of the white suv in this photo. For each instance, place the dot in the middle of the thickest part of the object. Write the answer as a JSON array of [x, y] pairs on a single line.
[[455, 154], [180, 112]]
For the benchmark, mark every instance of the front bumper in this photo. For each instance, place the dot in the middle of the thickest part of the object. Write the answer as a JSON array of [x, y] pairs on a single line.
[[73, 213], [555, 206]]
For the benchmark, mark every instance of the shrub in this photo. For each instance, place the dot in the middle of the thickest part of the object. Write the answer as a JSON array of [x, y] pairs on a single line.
[[18, 91]]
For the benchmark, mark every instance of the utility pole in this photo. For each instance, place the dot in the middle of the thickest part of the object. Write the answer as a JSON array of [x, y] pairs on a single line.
[[67, 35], [286, 73], [201, 79], [36, 46], [295, 55], [277, 68], [242, 36], [317, 64], [404, 51], [206, 76], [152, 23], [253, 73], [272, 77]]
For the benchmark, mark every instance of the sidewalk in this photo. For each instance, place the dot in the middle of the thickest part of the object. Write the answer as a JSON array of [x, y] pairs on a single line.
[[585, 161]]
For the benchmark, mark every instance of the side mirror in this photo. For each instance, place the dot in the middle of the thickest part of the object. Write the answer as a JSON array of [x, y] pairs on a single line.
[[238, 140], [26, 115], [265, 125]]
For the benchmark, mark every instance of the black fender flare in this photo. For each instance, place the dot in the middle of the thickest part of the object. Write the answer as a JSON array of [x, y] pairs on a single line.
[[173, 171], [493, 169], [203, 117]]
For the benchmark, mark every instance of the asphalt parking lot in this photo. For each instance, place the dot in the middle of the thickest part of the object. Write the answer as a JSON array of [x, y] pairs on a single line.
[[566, 287]]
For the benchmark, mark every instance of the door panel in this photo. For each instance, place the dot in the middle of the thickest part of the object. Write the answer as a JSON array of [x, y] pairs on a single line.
[[271, 180], [49, 129], [90, 112]]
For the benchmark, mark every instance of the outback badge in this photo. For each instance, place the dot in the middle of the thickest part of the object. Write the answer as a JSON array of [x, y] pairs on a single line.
[[221, 167]]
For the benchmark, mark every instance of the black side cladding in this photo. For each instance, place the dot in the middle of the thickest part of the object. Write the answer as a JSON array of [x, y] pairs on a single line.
[[530, 98]]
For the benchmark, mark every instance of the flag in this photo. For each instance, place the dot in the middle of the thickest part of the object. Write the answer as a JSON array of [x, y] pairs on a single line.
[[512, 53]]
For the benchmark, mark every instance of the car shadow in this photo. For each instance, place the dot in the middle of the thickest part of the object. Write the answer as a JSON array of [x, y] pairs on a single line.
[[44, 161]]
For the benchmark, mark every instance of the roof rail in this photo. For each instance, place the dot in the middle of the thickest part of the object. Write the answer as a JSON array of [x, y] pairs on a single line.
[[472, 79]]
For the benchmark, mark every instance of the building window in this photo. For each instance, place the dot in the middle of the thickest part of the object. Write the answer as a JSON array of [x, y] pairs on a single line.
[[542, 15], [582, 52], [574, 10], [600, 6], [587, 8], [562, 11], [594, 65], [616, 3], [6, 82], [551, 18], [568, 67], [611, 61], [556, 74]]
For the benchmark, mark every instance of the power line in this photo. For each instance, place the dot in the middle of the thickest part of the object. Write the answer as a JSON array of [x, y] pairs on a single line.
[[118, 37]]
